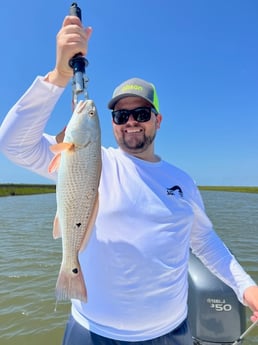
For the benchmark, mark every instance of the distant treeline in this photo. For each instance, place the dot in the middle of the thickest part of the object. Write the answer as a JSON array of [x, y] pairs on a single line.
[[9, 189]]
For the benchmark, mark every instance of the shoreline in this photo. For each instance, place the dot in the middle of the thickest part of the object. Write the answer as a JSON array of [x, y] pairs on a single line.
[[16, 189], [238, 189]]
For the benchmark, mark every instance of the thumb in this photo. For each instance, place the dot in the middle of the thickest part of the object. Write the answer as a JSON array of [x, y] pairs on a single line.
[[88, 32]]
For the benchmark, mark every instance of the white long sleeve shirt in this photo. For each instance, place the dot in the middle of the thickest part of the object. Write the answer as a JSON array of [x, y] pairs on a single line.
[[136, 262]]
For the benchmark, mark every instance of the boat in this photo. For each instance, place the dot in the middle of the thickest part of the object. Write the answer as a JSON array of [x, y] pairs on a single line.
[[216, 316]]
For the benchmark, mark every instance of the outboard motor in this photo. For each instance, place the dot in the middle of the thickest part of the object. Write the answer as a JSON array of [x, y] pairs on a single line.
[[215, 314]]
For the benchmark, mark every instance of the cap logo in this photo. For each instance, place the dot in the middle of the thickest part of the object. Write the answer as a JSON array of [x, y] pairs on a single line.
[[132, 87]]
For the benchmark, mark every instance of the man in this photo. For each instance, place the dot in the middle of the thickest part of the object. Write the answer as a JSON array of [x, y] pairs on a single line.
[[150, 214]]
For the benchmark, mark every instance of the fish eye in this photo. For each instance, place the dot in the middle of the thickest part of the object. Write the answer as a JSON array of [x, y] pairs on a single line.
[[92, 112]]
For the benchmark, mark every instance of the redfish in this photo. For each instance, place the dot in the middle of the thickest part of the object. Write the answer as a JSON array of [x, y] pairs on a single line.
[[78, 160]]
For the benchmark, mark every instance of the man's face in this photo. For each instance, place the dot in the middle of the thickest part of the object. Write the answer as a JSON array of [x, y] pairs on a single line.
[[136, 137]]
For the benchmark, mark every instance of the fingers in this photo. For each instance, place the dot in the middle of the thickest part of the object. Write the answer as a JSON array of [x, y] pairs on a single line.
[[254, 317], [73, 37], [74, 25], [71, 40], [60, 136], [69, 20]]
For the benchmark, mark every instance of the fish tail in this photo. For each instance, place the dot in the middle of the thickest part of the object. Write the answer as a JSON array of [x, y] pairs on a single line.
[[71, 285]]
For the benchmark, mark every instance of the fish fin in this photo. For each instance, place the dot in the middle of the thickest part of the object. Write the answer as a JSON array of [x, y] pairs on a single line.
[[60, 147], [57, 232], [55, 163], [71, 285], [90, 224]]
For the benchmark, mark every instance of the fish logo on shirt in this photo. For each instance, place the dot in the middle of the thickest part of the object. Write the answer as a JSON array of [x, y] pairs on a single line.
[[175, 191]]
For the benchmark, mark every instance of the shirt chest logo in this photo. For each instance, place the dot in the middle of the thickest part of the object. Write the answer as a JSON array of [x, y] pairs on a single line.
[[175, 191]]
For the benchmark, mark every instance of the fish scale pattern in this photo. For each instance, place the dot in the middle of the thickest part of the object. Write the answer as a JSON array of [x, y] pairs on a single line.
[[77, 196]]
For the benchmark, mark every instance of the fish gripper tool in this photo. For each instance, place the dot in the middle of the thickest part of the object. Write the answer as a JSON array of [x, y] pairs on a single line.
[[78, 63]]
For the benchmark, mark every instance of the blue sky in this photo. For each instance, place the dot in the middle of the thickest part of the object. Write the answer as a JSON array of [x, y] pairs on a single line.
[[202, 55]]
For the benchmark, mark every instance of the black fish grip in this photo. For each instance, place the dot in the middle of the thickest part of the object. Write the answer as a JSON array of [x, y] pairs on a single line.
[[78, 63]]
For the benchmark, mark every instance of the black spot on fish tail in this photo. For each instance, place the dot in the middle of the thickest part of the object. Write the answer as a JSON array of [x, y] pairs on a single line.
[[78, 225], [75, 271]]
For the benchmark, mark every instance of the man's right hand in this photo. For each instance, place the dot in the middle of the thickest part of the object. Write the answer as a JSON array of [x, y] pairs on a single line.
[[71, 39]]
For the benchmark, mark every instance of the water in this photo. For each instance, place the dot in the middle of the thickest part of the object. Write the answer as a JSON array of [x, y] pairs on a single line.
[[30, 261]]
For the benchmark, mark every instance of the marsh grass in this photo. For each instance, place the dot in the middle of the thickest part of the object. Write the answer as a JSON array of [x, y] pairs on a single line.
[[12, 189], [239, 189]]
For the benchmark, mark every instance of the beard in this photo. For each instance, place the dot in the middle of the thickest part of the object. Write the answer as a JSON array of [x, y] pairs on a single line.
[[135, 143]]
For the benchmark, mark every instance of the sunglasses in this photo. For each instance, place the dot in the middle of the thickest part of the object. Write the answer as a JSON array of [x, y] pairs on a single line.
[[141, 114]]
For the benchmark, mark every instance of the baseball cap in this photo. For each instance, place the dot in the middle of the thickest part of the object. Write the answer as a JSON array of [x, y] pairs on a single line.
[[135, 87]]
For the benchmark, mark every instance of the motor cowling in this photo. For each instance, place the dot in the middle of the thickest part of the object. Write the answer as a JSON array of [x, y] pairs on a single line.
[[215, 314]]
